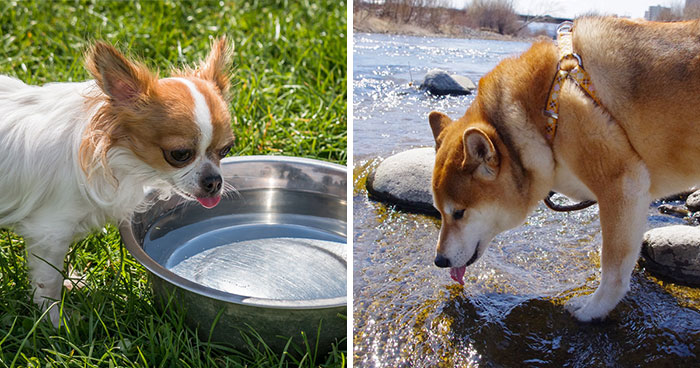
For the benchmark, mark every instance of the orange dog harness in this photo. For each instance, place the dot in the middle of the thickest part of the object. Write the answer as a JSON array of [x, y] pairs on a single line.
[[573, 71]]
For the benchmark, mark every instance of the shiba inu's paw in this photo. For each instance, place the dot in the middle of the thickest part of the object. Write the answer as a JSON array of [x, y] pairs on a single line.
[[584, 309]]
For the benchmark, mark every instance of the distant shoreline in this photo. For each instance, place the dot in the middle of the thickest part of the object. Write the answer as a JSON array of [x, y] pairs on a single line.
[[365, 23]]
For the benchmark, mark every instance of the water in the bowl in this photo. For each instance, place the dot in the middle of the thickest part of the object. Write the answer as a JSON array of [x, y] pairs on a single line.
[[272, 255], [287, 267]]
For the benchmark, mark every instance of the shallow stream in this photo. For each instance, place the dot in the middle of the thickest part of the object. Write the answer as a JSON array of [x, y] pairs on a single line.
[[409, 313]]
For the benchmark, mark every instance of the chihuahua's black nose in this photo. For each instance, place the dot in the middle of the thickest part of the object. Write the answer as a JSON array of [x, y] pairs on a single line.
[[211, 183], [441, 261]]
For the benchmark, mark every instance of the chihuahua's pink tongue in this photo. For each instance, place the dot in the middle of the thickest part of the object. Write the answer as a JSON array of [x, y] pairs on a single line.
[[457, 274], [209, 202]]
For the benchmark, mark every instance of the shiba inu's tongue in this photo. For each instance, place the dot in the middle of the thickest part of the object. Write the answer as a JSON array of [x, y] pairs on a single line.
[[209, 202], [457, 274]]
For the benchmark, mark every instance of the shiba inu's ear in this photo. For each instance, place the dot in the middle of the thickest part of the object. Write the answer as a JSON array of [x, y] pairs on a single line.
[[480, 156], [438, 122]]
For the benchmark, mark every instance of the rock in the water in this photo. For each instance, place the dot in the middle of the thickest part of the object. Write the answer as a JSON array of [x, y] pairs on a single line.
[[669, 209], [404, 180], [673, 252], [693, 201], [438, 82]]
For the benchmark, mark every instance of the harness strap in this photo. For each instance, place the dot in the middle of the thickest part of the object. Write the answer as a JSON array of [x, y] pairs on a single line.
[[566, 70]]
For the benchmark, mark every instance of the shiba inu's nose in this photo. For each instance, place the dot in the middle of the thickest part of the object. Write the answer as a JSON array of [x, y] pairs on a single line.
[[441, 261]]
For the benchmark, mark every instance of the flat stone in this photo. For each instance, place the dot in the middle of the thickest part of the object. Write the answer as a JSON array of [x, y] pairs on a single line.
[[673, 252], [693, 201], [439, 82], [404, 180], [669, 209]]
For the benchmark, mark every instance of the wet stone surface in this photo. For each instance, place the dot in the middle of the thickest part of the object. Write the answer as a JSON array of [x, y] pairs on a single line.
[[404, 180], [673, 252], [439, 82], [693, 201]]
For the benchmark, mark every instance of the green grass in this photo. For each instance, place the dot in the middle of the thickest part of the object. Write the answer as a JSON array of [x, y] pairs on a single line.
[[288, 98]]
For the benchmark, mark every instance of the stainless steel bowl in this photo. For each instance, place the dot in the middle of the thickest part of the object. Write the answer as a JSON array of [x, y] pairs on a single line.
[[271, 257]]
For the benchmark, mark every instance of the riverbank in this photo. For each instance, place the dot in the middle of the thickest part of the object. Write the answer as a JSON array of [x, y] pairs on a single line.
[[363, 22]]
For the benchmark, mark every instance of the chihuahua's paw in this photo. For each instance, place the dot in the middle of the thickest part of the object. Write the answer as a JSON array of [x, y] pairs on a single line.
[[55, 316], [585, 309], [51, 311]]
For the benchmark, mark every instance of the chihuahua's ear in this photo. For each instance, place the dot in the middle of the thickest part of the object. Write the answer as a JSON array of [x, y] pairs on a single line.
[[480, 156], [124, 81], [217, 66], [438, 122]]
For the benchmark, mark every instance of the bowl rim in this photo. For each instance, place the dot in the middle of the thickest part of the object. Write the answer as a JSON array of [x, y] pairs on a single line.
[[153, 267]]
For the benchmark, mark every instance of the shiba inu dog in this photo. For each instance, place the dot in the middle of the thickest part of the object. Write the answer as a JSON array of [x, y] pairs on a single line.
[[637, 139]]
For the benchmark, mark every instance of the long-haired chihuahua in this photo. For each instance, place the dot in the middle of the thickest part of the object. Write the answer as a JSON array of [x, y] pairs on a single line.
[[74, 156]]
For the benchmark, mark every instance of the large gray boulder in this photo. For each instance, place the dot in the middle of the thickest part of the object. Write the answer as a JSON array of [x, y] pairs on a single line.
[[673, 252], [404, 180], [439, 82]]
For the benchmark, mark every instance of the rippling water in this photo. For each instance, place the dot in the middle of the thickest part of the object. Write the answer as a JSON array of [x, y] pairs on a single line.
[[390, 115], [509, 313]]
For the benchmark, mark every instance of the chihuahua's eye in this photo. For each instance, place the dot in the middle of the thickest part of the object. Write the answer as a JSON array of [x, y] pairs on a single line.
[[178, 157], [182, 155], [224, 151], [458, 214]]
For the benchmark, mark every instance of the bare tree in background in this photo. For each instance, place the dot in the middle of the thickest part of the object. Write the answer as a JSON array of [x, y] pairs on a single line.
[[496, 15], [439, 15], [691, 10], [673, 14], [420, 12]]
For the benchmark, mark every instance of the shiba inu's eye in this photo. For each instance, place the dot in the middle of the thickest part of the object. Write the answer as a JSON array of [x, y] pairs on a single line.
[[458, 214], [178, 157]]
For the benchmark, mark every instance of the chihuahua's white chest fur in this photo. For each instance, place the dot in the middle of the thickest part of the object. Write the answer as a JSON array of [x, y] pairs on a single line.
[[74, 156]]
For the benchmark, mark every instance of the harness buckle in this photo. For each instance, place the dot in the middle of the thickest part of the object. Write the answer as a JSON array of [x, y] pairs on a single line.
[[550, 114]]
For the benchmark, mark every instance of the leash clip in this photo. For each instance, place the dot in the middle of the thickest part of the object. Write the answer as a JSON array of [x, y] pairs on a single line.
[[565, 27]]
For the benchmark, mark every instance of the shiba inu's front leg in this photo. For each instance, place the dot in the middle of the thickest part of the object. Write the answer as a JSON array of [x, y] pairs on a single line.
[[623, 213]]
